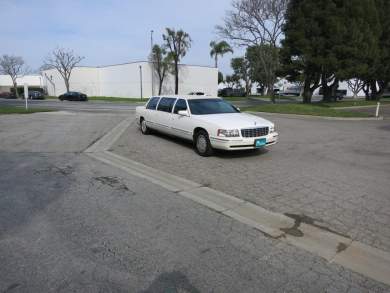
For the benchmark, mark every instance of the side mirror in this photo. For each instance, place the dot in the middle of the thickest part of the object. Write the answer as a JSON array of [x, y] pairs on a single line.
[[183, 113]]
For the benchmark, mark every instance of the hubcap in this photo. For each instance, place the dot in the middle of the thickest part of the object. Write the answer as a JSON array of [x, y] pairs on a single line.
[[201, 144], [143, 126]]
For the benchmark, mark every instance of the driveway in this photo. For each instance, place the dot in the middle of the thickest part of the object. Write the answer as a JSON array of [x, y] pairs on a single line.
[[334, 172]]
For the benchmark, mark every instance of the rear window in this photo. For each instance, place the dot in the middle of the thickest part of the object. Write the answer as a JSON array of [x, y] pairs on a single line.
[[152, 103], [166, 104]]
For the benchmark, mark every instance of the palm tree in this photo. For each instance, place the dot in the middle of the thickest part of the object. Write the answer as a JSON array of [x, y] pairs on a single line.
[[219, 49], [178, 43]]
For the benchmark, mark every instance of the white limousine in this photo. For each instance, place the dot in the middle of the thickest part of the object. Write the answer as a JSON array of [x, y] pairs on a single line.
[[211, 123]]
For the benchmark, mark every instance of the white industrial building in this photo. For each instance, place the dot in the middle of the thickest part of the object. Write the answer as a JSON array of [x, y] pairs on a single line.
[[33, 81], [126, 80]]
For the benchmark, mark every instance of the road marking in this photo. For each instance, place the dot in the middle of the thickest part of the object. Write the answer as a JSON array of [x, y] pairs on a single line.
[[110, 137], [335, 248]]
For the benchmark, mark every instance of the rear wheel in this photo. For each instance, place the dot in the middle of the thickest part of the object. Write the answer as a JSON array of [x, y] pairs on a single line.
[[202, 144], [144, 127]]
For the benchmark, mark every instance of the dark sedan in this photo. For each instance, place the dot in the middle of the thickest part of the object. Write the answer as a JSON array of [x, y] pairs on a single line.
[[35, 95], [7, 95], [73, 96]]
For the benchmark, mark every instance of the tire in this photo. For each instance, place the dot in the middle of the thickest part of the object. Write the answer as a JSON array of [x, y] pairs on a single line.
[[202, 144], [144, 128]]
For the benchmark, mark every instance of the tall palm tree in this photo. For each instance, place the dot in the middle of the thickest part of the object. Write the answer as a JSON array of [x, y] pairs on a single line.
[[178, 43], [219, 49]]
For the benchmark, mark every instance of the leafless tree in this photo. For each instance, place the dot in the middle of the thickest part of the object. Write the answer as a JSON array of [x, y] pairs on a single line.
[[256, 23], [355, 85], [13, 66], [162, 63], [63, 60]]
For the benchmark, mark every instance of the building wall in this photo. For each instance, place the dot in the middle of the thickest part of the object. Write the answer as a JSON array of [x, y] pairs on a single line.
[[83, 79], [123, 80], [35, 81]]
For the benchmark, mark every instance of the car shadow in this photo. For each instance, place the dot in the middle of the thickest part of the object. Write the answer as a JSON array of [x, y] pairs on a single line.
[[217, 153]]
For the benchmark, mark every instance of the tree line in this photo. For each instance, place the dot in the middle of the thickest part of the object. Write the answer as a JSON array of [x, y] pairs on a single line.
[[314, 43]]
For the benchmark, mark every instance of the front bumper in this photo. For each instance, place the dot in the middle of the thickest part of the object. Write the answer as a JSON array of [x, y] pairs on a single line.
[[241, 143]]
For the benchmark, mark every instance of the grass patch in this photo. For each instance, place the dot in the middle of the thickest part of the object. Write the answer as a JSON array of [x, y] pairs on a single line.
[[4, 110], [234, 99], [305, 109], [353, 103]]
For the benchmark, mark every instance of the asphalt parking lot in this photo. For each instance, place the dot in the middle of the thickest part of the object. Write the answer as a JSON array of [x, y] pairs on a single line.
[[69, 223], [334, 172]]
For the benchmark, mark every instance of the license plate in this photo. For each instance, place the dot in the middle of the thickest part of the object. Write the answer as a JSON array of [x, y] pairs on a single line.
[[260, 142]]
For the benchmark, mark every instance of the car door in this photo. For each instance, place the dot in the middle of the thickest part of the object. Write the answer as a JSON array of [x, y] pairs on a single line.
[[181, 125], [164, 114], [150, 112]]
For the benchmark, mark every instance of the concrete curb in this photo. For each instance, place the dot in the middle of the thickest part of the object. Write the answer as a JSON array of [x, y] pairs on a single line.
[[318, 117], [358, 257]]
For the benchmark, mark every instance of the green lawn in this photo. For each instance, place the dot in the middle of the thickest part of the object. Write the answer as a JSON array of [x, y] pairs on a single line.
[[20, 110], [305, 109], [351, 103], [234, 99]]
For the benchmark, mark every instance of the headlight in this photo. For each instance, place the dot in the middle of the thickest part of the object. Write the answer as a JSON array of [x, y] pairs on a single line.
[[272, 129], [228, 132]]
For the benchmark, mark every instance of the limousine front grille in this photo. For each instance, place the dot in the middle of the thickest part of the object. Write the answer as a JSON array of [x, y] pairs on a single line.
[[254, 132]]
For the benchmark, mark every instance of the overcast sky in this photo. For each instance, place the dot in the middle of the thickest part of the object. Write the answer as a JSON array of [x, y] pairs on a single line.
[[107, 31]]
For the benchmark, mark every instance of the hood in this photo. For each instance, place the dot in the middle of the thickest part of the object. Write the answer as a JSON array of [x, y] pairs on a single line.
[[234, 120]]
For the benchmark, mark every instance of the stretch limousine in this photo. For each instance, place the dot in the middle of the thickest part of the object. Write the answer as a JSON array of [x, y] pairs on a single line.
[[211, 123]]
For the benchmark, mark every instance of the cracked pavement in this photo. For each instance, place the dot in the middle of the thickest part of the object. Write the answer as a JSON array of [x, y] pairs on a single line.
[[69, 223]]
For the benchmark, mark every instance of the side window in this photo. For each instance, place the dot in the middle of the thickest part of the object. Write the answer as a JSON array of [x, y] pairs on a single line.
[[152, 103], [166, 104], [181, 105]]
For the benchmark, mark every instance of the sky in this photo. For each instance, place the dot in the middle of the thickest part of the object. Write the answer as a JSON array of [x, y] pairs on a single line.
[[108, 32]]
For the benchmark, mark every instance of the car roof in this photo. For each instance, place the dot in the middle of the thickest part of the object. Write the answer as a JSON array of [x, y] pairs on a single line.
[[188, 97]]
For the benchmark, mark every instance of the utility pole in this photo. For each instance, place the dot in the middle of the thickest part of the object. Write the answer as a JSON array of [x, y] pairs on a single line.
[[151, 50], [140, 79]]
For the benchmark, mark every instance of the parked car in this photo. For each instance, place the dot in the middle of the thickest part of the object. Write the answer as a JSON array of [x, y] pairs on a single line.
[[291, 91], [35, 95], [7, 95], [231, 92], [73, 96], [197, 94], [210, 123], [339, 94]]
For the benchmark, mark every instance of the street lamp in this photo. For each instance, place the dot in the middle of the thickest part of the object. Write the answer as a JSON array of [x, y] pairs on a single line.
[[140, 79], [151, 50]]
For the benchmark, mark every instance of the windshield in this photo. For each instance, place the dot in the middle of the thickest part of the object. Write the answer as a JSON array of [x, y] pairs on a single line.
[[210, 106]]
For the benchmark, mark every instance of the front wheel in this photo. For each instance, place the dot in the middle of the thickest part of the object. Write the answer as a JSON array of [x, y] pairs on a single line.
[[144, 127], [202, 144]]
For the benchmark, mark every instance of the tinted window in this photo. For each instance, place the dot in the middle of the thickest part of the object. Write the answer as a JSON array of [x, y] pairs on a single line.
[[166, 104], [152, 103], [210, 106], [181, 105]]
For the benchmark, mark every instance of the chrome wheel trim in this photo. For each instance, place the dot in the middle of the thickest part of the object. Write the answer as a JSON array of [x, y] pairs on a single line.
[[143, 126], [201, 143]]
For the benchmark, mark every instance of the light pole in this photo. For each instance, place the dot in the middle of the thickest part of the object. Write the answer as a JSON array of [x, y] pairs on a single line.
[[140, 78], [151, 50]]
